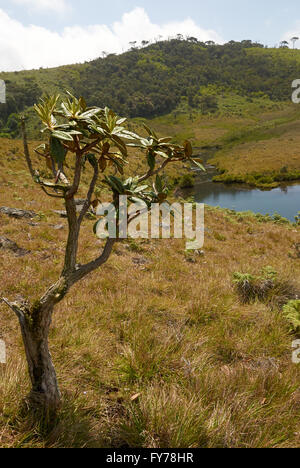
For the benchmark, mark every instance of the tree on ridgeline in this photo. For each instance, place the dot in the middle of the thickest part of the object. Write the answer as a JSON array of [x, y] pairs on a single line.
[[294, 40], [284, 45]]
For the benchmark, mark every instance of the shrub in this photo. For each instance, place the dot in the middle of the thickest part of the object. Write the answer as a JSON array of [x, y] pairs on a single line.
[[187, 181], [292, 313], [265, 288]]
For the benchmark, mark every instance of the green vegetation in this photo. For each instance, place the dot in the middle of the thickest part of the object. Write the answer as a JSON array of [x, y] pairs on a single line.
[[230, 79], [292, 313], [253, 287], [232, 98]]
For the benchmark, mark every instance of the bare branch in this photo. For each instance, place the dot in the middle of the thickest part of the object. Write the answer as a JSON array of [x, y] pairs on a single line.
[[84, 270], [77, 176], [136, 215], [14, 307], [89, 195], [152, 173], [52, 195], [55, 293], [72, 243], [91, 146], [26, 149]]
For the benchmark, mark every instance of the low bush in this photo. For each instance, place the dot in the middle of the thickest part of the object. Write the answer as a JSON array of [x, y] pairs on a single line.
[[292, 313]]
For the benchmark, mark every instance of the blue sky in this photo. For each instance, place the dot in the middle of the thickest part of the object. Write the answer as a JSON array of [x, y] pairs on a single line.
[[28, 25]]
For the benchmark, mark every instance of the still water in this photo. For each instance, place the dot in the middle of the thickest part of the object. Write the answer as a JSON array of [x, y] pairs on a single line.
[[283, 200]]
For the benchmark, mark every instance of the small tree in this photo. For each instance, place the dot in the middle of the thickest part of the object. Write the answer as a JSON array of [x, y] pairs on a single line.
[[97, 137], [294, 40], [284, 45], [192, 39], [210, 43]]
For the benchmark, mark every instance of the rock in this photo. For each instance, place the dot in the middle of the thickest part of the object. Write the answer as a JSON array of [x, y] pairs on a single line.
[[80, 201], [140, 261], [8, 244], [16, 213], [57, 227], [191, 256], [191, 260], [61, 213]]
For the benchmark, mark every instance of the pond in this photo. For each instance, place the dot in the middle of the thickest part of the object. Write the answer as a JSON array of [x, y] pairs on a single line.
[[284, 200]]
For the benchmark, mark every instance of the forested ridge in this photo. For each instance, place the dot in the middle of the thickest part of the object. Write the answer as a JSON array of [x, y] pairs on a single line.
[[152, 81]]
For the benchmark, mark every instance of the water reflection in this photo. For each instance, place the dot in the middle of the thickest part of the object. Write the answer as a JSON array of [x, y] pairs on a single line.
[[284, 200]]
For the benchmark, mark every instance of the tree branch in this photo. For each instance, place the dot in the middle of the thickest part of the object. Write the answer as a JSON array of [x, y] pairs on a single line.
[[84, 270], [14, 307], [55, 293], [51, 195], [152, 173], [74, 189], [26, 149], [136, 215], [72, 243], [91, 146], [89, 195]]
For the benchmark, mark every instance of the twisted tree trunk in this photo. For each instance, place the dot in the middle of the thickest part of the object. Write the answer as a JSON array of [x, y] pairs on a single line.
[[44, 396], [35, 321]]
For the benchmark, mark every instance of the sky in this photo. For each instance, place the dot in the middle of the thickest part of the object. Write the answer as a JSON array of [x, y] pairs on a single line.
[[47, 33]]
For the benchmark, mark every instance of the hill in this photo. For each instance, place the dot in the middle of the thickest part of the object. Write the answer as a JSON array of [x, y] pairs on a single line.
[[232, 97], [163, 77], [252, 145]]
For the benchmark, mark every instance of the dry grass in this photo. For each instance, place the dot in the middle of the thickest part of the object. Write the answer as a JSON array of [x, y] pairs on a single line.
[[263, 143], [208, 370], [266, 148], [201, 130], [266, 155]]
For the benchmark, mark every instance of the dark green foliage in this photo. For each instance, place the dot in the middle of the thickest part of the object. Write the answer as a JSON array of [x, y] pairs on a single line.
[[187, 181], [18, 97], [57, 151], [153, 80], [265, 181]]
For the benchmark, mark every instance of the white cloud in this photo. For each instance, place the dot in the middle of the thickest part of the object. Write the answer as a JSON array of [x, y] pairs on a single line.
[[295, 32], [27, 47], [57, 6]]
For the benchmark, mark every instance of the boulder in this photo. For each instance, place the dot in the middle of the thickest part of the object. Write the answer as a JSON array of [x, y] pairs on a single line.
[[16, 213], [8, 244]]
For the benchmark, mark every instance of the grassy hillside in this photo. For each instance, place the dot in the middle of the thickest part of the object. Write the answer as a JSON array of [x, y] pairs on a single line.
[[259, 148], [165, 355], [265, 155], [233, 96], [154, 81]]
